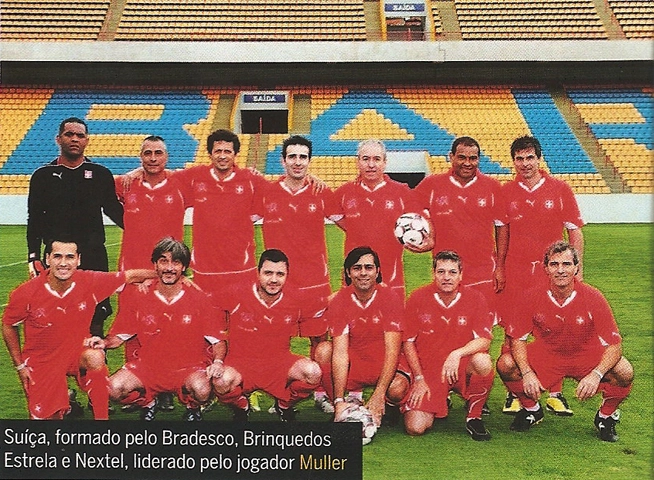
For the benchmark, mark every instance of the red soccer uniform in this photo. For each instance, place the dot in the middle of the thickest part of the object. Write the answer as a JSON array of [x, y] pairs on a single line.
[[151, 213], [365, 325], [223, 233], [438, 329], [370, 216], [463, 218], [259, 339], [172, 334], [54, 328], [537, 218]]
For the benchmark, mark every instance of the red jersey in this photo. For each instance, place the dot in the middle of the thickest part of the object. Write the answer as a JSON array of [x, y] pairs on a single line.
[[223, 233], [151, 213], [538, 216], [464, 217], [55, 325], [172, 334], [438, 329], [294, 222], [369, 220], [365, 324], [258, 331], [583, 324]]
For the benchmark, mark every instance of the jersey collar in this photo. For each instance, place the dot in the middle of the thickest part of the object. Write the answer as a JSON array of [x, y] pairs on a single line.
[[567, 300], [442, 303], [460, 185]]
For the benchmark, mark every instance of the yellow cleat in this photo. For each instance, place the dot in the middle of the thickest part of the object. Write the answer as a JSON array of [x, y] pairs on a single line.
[[511, 405], [558, 405], [254, 401]]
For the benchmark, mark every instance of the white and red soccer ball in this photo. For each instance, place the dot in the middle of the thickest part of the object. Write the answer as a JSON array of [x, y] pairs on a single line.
[[411, 228], [355, 412]]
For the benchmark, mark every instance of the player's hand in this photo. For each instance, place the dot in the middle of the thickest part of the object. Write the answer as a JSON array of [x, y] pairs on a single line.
[[531, 385], [418, 391], [94, 342], [426, 245], [339, 408], [145, 285], [499, 279], [130, 177], [317, 184], [377, 406], [215, 370], [25, 375], [450, 371], [587, 386], [35, 268]]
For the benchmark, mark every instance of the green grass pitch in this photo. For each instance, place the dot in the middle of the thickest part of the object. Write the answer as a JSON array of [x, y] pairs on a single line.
[[617, 260]]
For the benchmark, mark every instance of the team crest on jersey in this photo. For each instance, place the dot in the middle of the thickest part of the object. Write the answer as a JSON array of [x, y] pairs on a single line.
[[482, 202], [463, 320], [375, 319], [271, 207], [444, 200], [88, 174], [424, 318], [549, 204], [312, 207], [201, 187], [247, 317], [351, 203], [39, 312], [82, 306], [149, 319], [288, 319], [239, 189], [513, 206], [169, 199], [580, 320], [131, 198], [390, 205], [186, 319]]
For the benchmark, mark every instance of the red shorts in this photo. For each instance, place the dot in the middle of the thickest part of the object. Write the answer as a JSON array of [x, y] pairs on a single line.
[[269, 375], [437, 403], [362, 373], [551, 368], [158, 380]]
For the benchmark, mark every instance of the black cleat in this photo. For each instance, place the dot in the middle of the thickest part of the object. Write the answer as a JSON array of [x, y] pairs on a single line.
[[285, 414], [75, 409], [192, 415], [477, 430], [165, 402], [511, 405], [392, 415], [129, 408], [148, 413], [241, 415], [606, 426], [524, 419]]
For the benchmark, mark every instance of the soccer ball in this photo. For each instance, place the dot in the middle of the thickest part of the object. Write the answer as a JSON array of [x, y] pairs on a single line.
[[358, 413], [411, 228]]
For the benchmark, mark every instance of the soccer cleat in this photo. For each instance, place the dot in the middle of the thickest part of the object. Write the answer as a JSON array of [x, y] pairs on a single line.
[[110, 409], [285, 414], [207, 407], [75, 408], [477, 430], [485, 410], [192, 415], [129, 408], [524, 419], [323, 403], [165, 402], [511, 404], [254, 400], [149, 413], [449, 401], [558, 405], [392, 415], [606, 426], [241, 415]]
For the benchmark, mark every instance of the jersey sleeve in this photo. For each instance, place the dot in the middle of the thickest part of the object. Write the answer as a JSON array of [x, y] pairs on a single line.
[[35, 216], [16, 310], [110, 204], [605, 324], [125, 322], [104, 284], [571, 212], [184, 180], [336, 317]]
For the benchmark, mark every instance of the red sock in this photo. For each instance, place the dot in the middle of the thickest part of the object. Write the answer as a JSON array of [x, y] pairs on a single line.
[[299, 390], [477, 392], [613, 396], [97, 387], [517, 390], [234, 398]]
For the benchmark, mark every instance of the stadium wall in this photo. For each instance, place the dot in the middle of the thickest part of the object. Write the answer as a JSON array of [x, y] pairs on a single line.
[[595, 208]]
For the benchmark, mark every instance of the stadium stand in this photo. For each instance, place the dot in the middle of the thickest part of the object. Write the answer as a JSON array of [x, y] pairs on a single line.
[[636, 17]]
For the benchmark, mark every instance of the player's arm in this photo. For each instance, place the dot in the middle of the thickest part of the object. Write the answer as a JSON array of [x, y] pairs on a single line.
[[531, 384], [110, 203], [217, 367], [12, 341], [377, 402], [576, 239], [419, 387], [138, 275], [35, 225], [450, 371], [340, 366], [588, 385], [113, 341], [501, 248]]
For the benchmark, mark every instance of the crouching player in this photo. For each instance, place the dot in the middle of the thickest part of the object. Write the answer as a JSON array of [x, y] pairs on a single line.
[[366, 320], [179, 333], [575, 336], [262, 320], [56, 309], [448, 336]]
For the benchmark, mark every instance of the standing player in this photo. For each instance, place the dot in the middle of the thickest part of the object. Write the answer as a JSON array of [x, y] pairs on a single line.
[[293, 214], [67, 197], [262, 321], [575, 336], [468, 215], [179, 333], [540, 209], [55, 309], [448, 336], [369, 207], [366, 320]]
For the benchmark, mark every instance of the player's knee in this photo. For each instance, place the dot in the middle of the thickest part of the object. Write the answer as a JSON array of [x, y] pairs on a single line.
[[622, 374], [323, 353], [481, 364], [397, 389], [312, 373], [92, 359], [229, 380], [415, 428], [506, 367]]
